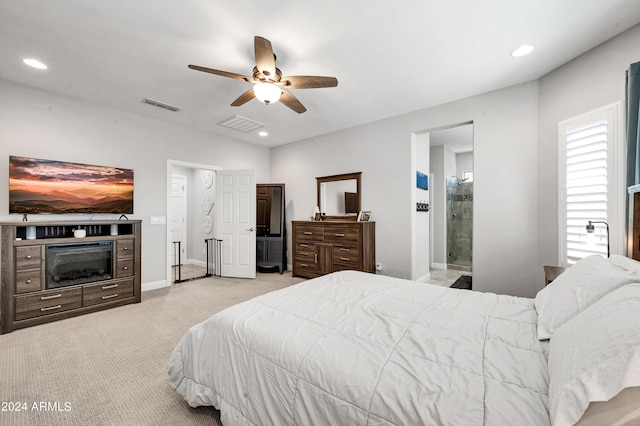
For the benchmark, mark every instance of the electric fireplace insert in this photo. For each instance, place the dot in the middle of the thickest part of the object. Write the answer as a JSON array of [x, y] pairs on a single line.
[[78, 263]]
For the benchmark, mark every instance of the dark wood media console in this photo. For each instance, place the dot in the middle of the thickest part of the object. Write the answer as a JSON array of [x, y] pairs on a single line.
[[29, 295]]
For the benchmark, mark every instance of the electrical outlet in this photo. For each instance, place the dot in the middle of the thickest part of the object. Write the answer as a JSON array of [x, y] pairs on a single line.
[[379, 267]]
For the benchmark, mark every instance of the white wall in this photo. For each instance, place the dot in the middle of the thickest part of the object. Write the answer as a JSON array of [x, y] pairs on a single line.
[[505, 188], [39, 124], [421, 236], [464, 163], [591, 81]]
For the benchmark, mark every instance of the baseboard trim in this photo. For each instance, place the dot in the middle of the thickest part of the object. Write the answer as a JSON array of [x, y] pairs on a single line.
[[154, 285], [424, 278], [438, 266]]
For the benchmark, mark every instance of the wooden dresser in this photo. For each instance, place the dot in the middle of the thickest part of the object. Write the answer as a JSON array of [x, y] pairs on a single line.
[[30, 294], [323, 247]]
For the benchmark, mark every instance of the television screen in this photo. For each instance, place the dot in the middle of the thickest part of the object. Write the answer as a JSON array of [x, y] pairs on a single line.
[[351, 202], [49, 186]]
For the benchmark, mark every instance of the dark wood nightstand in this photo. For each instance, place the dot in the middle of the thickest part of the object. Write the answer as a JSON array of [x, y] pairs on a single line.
[[551, 273]]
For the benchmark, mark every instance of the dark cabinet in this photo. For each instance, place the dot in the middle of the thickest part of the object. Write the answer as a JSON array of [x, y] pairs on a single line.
[[271, 249]]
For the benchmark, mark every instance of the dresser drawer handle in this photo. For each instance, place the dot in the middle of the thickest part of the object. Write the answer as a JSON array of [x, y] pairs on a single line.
[[53, 296], [111, 296], [339, 235], [125, 268], [304, 253], [29, 257], [107, 287], [304, 265], [308, 233], [345, 258], [50, 308], [28, 281], [304, 245], [125, 248], [345, 249]]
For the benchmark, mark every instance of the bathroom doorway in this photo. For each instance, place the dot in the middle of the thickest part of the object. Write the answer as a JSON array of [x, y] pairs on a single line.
[[451, 165]]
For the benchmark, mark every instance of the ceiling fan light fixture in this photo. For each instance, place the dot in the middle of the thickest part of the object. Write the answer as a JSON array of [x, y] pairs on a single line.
[[267, 93], [34, 63]]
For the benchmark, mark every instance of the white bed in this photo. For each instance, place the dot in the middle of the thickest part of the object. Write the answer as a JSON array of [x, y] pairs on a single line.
[[361, 349]]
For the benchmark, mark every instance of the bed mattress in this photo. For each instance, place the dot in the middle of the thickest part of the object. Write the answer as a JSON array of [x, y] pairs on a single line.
[[361, 349]]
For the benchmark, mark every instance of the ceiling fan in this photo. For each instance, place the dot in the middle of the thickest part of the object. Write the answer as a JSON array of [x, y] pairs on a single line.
[[268, 81]]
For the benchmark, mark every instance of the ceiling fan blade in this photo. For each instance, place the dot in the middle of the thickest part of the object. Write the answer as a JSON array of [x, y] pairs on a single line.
[[265, 59], [222, 73], [244, 98], [309, 82], [292, 102]]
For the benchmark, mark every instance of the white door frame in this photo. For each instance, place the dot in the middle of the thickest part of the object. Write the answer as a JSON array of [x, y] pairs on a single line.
[[170, 164], [182, 214]]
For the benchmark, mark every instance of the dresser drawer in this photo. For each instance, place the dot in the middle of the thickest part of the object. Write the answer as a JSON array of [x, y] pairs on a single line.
[[124, 248], [46, 303], [305, 251], [124, 268], [94, 294], [342, 234], [28, 257], [346, 256], [309, 233], [28, 281], [304, 269]]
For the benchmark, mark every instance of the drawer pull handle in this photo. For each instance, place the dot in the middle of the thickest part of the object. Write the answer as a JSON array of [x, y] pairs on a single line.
[[29, 257], [304, 245], [53, 296], [107, 287], [308, 233], [344, 258], [50, 308], [111, 296], [304, 253], [125, 267], [28, 281], [125, 248], [345, 249], [316, 258], [304, 265], [339, 235]]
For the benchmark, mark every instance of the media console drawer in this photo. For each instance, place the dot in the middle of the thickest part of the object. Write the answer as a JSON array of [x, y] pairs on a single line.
[[49, 302], [107, 292]]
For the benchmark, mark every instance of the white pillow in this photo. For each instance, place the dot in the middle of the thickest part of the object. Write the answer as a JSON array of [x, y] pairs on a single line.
[[625, 262], [595, 355], [572, 291]]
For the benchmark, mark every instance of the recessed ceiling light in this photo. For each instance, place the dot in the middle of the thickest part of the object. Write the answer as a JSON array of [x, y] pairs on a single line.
[[263, 133], [34, 63], [522, 50]]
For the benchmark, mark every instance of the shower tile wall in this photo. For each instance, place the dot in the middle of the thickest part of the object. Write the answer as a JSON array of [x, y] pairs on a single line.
[[459, 223]]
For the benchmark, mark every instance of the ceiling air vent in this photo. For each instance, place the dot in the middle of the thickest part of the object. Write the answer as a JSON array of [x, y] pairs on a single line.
[[241, 124], [161, 104]]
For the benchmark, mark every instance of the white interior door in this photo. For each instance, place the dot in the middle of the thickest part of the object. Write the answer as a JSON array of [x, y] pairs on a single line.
[[178, 216], [236, 222]]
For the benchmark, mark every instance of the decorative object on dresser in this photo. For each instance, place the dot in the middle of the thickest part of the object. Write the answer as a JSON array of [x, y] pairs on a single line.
[[57, 275], [271, 232], [322, 247]]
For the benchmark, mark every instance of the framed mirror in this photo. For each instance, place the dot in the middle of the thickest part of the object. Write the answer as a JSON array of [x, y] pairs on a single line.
[[339, 196]]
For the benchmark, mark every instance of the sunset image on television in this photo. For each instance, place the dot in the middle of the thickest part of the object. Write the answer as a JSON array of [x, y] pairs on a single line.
[[47, 186]]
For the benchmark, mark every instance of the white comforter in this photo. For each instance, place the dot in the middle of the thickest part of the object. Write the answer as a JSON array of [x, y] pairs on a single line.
[[360, 349]]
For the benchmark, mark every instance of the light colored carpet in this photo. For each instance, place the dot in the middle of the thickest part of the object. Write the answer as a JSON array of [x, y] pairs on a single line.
[[109, 367]]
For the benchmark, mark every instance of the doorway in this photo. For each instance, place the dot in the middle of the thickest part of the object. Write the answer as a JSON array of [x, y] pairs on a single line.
[[452, 170], [190, 220]]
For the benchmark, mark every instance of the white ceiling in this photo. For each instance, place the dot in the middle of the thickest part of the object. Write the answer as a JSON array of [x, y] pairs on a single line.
[[389, 57]]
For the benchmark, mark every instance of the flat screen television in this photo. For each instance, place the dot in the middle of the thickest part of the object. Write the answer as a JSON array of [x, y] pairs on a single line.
[[50, 186]]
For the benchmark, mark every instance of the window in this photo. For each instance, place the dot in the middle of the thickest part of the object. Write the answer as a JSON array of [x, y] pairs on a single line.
[[591, 184]]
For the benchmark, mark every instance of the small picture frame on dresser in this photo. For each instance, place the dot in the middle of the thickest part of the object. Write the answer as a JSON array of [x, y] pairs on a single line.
[[364, 216]]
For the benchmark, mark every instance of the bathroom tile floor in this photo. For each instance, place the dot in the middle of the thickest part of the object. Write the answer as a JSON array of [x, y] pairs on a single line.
[[445, 277]]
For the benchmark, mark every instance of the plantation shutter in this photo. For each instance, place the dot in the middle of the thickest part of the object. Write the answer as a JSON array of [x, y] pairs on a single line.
[[585, 190]]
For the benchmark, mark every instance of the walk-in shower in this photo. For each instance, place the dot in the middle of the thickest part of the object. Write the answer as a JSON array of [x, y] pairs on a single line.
[[459, 223]]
